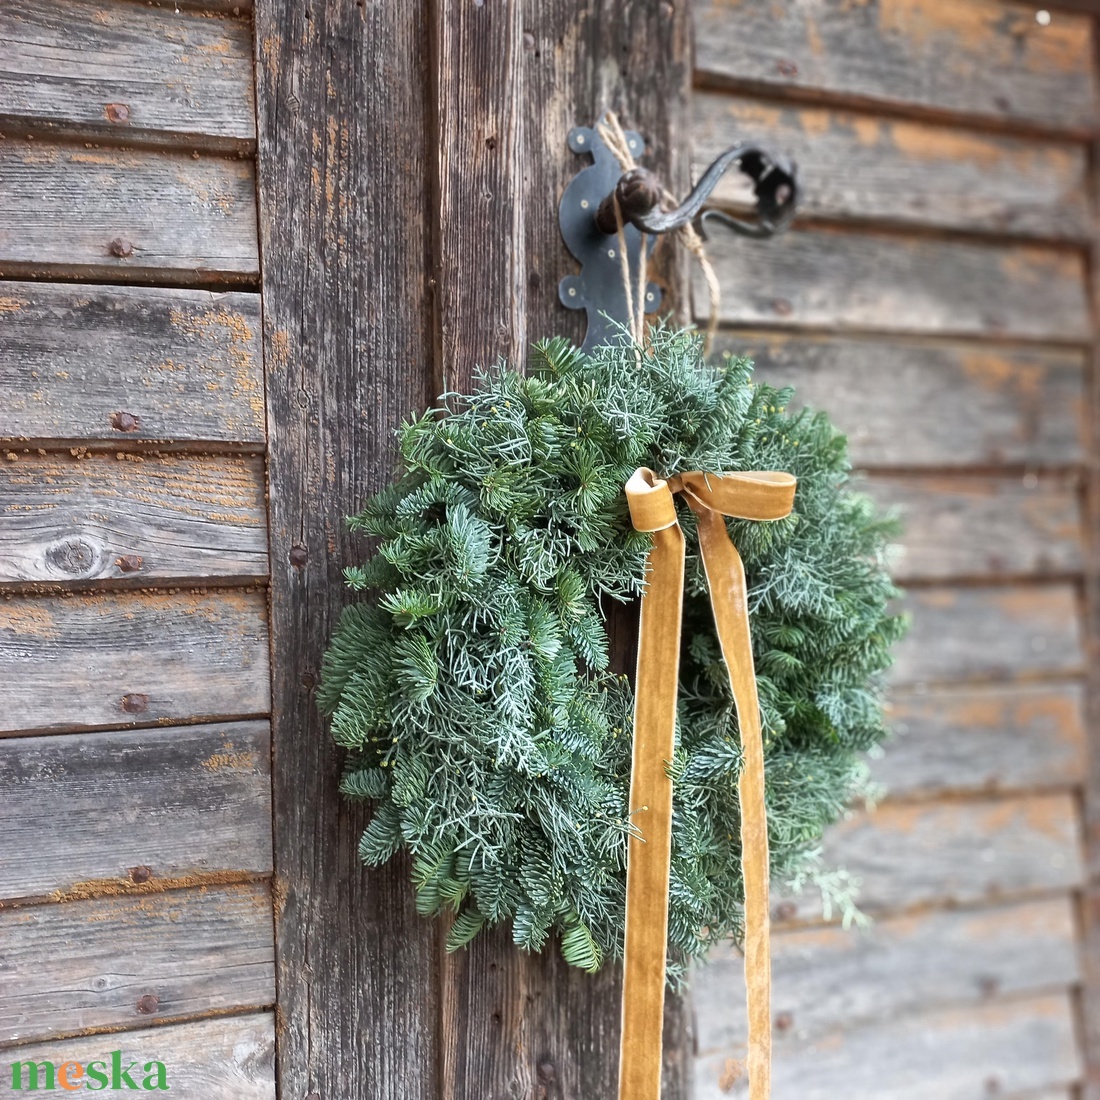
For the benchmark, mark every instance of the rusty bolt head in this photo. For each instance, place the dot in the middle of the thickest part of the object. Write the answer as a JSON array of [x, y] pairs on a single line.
[[135, 703], [298, 557], [782, 307], [121, 248], [117, 112], [148, 1004], [784, 1021], [547, 1071], [787, 68], [141, 874], [129, 563], [125, 422]]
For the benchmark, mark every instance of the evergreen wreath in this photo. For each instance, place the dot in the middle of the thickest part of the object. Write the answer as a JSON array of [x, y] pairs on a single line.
[[474, 693]]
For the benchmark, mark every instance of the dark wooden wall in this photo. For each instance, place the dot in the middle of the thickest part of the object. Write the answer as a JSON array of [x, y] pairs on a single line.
[[135, 794], [935, 297]]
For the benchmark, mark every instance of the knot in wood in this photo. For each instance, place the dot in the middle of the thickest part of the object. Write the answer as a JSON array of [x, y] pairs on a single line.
[[73, 557]]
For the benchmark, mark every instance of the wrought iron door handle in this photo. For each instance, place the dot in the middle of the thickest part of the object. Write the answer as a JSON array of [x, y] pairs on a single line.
[[775, 184]]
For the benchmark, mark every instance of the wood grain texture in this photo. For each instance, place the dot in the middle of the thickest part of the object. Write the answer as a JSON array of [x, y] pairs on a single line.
[[133, 517], [514, 1025], [73, 662], [829, 978], [857, 166], [69, 209], [344, 179], [127, 71], [830, 278], [144, 809], [996, 633], [917, 404], [1020, 1050], [957, 852], [987, 58], [965, 526], [182, 365], [1011, 737], [90, 964], [226, 1059]]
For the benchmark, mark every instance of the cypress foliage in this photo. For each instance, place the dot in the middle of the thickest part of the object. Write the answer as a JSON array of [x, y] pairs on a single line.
[[472, 692]]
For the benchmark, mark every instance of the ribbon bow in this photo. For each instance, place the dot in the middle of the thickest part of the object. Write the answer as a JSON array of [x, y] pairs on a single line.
[[756, 496]]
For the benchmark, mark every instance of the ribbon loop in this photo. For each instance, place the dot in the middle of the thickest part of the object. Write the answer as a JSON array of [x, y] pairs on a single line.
[[758, 495]]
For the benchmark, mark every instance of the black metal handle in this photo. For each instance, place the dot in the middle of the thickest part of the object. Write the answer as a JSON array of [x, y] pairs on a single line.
[[775, 184]]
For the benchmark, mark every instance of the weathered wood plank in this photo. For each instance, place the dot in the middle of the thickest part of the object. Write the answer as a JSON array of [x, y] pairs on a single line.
[[96, 363], [988, 58], [119, 961], [143, 215], [856, 166], [1009, 737], [961, 634], [348, 347], [955, 852], [829, 978], [72, 662], [143, 809], [983, 526], [220, 1059], [1013, 1049], [131, 71], [131, 516], [836, 279], [913, 404]]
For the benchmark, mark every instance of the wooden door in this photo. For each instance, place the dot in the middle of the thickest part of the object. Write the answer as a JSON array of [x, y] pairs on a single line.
[[411, 161]]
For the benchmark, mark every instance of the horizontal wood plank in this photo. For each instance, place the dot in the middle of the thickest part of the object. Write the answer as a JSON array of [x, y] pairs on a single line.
[[988, 58], [865, 167], [995, 633], [127, 961], [983, 526], [219, 1059], [143, 215], [829, 978], [130, 70], [955, 852], [142, 809], [130, 364], [72, 662], [1012, 1049], [830, 278], [1011, 737], [131, 516], [907, 403]]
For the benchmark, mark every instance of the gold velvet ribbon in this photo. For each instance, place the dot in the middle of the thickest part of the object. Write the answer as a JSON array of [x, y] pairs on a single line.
[[754, 496]]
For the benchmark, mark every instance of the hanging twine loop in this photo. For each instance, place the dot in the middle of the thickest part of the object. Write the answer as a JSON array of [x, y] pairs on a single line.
[[611, 132]]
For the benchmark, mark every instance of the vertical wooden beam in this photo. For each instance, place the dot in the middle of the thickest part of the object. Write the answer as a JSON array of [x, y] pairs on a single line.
[[516, 1025], [345, 160]]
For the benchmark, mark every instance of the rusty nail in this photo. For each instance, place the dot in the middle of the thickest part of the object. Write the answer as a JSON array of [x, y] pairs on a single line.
[[135, 703], [117, 112], [141, 874], [125, 422], [298, 557], [782, 307], [547, 1071], [528, 41], [121, 247], [787, 68], [129, 563], [784, 1021], [148, 1004]]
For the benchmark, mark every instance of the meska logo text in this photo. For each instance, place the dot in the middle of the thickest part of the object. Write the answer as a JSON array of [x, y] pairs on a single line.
[[95, 1076]]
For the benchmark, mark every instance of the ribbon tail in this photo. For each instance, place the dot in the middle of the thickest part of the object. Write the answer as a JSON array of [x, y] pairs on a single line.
[[648, 855], [729, 602]]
